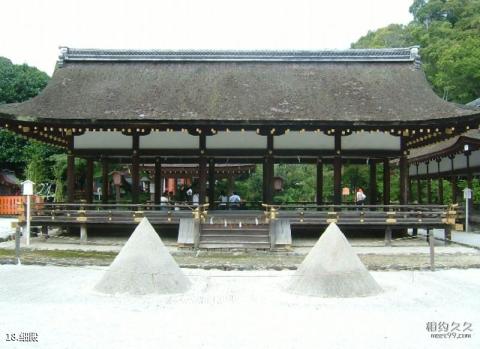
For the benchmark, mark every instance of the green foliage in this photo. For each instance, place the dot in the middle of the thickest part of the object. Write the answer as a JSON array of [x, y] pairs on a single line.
[[19, 83], [249, 186], [298, 183], [393, 35], [59, 170], [448, 32]]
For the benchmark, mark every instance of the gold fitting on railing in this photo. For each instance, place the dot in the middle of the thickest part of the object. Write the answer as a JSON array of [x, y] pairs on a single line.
[[391, 217], [200, 212], [419, 216], [271, 212], [138, 216], [302, 216], [332, 217], [451, 215], [196, 213], [82, 216]]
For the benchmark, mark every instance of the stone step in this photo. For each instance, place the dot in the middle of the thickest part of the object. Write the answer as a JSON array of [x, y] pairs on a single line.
[[239, 245], [235, 238], [235, 226], [226, 231]]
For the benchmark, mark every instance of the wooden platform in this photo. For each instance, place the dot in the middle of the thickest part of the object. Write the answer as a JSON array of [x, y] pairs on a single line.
[[268, 229]]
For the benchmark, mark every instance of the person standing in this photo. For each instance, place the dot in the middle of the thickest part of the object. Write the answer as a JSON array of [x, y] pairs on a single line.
[[360, 197]]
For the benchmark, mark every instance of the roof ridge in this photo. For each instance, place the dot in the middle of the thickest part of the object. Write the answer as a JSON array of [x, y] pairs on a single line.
[[400, 54]]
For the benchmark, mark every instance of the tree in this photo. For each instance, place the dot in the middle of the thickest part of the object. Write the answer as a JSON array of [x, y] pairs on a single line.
[[393, 35], [448, 32], [19, 83]]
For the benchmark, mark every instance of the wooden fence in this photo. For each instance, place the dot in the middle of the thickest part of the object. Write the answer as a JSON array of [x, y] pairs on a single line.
[[12, 205]]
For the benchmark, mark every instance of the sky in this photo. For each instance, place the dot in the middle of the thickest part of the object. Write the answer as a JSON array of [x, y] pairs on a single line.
[[32, 30]]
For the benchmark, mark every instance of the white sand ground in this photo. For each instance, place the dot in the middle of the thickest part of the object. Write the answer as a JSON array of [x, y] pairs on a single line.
[[234, 310], [6, 229]]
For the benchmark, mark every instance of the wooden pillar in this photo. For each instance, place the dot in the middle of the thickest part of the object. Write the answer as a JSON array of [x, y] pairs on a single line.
[[89, 181], [337, 169], [440, 183], [319, 181], [386, 181], [268, 172], [202, 179], [419, 187], [202, 171], [135, 170], [157, 182], [410, 188], [264, 180], [211, 183], [429, 184], [453, 180], [105, 181], [70, 177], [373, 183], [403, 167], [469, 171]]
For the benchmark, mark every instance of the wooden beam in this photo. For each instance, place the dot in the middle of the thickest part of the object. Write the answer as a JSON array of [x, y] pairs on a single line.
[[454, 181], [202, 170], [105, 181], [386, 181], [429, 185], [403, 167], [268, 171], [337, 169], [372, 183], [70, 177], [157, 181], [469, 171], [211, 182], [319, 181], [419, 188], [89, 181], [202, 179], [440, 184], [135, 170]]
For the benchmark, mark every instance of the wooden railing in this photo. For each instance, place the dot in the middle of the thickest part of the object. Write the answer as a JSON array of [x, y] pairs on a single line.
[[379, 215], [80, 213], [364, 215]]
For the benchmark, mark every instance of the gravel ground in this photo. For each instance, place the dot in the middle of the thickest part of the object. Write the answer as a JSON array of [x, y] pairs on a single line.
[[237, 309]]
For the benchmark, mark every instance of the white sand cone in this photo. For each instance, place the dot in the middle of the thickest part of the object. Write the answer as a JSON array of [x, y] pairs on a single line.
[[143, 266], [333, 269]]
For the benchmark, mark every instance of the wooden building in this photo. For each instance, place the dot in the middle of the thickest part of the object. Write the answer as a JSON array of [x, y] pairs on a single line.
[[216, 107], [450, 160]]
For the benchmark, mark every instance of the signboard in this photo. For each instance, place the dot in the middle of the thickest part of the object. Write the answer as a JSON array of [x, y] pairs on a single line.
[[28, 187], [467, 193]]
